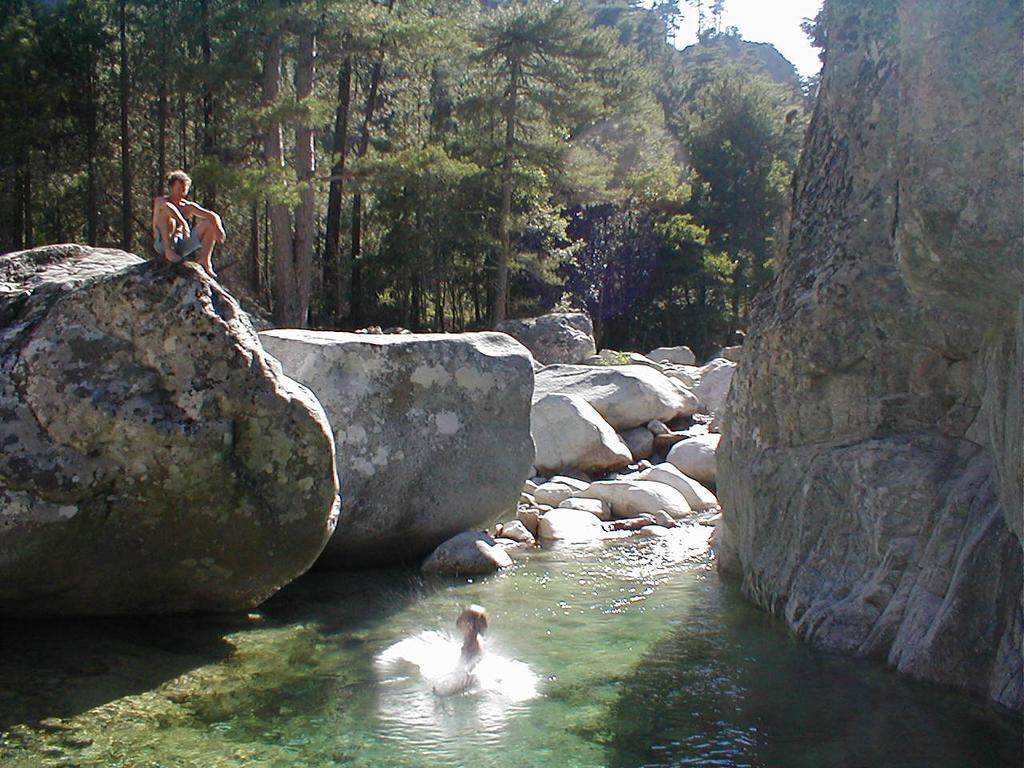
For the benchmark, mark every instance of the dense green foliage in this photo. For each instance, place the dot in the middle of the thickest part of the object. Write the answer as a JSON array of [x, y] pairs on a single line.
[[469, 159]]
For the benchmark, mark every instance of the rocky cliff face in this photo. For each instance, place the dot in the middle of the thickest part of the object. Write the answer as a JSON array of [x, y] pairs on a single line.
[[871, 464], [154, 458]]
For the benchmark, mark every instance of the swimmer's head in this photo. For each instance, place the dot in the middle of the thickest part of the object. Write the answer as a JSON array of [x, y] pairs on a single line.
[[473, 619]]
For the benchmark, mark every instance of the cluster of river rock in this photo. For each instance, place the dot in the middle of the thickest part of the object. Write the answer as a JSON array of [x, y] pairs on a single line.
[[624, 443], [159, 455]]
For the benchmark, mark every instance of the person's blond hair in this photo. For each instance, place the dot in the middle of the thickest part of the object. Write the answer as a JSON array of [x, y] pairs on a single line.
[[178, 175]]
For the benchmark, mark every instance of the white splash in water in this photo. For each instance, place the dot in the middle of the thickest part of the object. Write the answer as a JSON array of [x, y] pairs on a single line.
[[438, 656], [418, 677]]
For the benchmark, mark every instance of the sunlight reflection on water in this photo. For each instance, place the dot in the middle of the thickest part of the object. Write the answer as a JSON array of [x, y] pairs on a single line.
[[478, 703]]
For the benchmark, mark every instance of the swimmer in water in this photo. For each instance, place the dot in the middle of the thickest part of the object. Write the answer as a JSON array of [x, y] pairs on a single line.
[[472, 622]]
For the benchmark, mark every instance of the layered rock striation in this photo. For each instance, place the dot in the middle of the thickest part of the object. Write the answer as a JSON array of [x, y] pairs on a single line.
[[871, 465], [154, 458]]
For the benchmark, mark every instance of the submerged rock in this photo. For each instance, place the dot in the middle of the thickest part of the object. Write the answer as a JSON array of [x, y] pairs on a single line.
[[155, 459], [433, 433], [470, 552], [554, 338], [871, 458], [625, 395]]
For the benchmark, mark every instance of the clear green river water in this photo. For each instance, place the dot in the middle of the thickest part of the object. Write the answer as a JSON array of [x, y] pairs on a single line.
[[640, 655]]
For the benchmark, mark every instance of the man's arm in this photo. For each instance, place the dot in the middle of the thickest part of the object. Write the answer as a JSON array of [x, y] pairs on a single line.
[[194, 209]]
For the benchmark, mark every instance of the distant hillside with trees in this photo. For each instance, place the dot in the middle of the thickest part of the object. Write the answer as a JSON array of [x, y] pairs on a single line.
[[434, 165]]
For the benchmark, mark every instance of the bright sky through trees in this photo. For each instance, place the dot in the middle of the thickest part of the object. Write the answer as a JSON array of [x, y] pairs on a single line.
[[764, 21]]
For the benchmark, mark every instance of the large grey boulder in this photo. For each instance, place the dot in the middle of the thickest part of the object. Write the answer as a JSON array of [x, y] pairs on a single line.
[[677, 355], [569, 433], [625, 395], [433, 433], [871, 467], [555, 338], [713, 381], [154, 458]]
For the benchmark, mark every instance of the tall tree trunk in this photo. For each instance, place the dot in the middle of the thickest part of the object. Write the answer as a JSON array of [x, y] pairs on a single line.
[[499, 306], [209, 129], [91, 148], [26, 201], [280, 216], [305, 160], [357, 198], [337, 268], [254, 250], [162, 118], [126, 174]]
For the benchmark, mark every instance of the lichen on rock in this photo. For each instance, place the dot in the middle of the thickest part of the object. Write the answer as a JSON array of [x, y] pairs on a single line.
[[155, 459]]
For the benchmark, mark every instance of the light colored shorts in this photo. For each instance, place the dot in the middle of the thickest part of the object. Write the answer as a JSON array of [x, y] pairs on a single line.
[[182, 245]]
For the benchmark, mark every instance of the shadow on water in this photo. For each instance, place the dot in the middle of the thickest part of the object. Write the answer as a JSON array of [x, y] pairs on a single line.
[[732, 687], [60, 668]]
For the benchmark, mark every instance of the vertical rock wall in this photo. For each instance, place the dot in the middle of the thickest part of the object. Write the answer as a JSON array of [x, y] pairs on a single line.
[[871, 466]]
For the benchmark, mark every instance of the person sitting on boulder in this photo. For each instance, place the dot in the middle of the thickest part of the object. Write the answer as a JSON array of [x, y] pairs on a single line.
[[173, 239]]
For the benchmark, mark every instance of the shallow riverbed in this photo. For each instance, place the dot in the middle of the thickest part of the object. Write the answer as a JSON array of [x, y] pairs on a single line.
[[642, 656]]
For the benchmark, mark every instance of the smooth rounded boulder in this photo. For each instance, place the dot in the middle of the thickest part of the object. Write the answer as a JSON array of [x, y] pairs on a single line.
[[559, 337], [625, 395], [696, 457], [470, 552], [433, 433], [696, 495], [713, 384], [570, 525], [629, 498], [677, 355], [568, 432], [155, 458]]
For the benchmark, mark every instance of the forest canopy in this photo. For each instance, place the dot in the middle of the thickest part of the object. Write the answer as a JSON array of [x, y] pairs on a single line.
[[431, 165]]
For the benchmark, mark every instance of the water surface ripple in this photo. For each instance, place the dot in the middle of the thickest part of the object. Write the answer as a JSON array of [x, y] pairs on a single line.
[[641, 656]]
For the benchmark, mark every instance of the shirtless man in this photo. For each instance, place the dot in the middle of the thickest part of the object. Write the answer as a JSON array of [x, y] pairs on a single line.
[[173, 239]]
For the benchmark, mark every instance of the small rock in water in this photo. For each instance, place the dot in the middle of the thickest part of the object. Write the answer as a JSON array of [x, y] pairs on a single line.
[[696, 495], [629, 498], [657, 427], [517, 531], [640, 441], [530, 518], [471, 552], [602, 510], [553, 493], [577, 484], [664, 519], [569, 525]]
